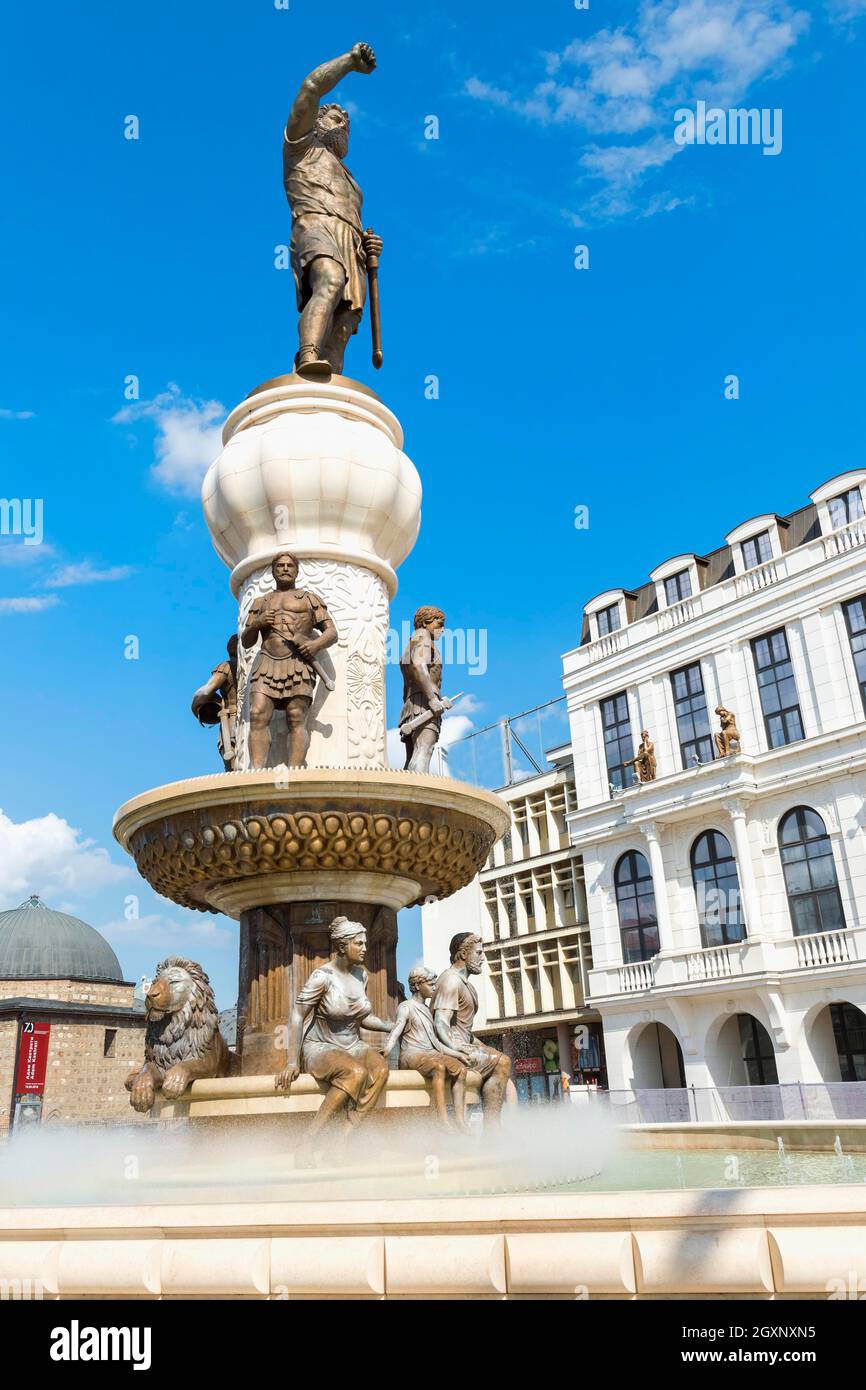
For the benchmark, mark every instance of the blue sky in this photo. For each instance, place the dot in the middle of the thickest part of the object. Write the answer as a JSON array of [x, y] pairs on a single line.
[[557, 387]]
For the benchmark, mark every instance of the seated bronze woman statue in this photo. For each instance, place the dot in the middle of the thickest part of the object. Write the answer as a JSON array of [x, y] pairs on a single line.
[[325, 1032]]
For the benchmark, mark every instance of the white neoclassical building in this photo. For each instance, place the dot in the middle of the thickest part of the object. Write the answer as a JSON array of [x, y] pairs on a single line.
[[727, 897]]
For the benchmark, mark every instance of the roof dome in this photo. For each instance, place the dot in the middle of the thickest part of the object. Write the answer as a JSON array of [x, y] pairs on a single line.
[[39, 944]]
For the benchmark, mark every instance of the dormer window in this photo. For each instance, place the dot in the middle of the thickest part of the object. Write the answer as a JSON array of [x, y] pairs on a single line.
[[758, 542], [841, 501], [678, 578], [678, 586], [608, 620], [607, 613], [845, 508], [757, 550]]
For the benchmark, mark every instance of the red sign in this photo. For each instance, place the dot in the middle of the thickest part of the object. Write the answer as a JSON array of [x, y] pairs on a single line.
[[32, 1058], [527, 1066]]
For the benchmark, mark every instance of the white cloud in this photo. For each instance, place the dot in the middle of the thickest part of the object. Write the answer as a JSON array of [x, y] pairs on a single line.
[[188, 436], [6, 414], [167, 935], [13, 551], [454, 727], [843, 11], [86, 573], [628, 82], [50, 857], [37, 604]]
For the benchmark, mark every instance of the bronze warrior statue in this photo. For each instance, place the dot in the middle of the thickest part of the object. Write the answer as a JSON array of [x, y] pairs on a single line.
[[454, 1006], [325, 1031], [644, 761], [286, 670], [330, 250], [423, 702], [421, 1049], [216, 702]]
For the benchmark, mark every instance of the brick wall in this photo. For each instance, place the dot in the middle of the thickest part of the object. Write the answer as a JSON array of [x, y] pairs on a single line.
[[81, 1082], [8, 1035], [73, 991]]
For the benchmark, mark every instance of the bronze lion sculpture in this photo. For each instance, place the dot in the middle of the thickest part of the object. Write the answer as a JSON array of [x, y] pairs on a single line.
[[182, 1041]]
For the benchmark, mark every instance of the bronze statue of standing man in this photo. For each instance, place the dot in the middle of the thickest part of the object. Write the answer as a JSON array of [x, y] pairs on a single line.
[[294, 626], [329, 247], [423, 702]]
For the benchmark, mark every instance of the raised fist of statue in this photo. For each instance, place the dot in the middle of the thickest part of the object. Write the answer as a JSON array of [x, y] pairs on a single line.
[[372, 243], [364, 57]]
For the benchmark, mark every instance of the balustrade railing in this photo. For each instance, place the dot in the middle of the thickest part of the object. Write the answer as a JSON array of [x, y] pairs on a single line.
[[784, 956], [714, 963], [824, 948], [638, 975]]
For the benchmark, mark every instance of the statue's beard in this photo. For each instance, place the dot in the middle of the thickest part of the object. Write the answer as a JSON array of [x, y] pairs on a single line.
[[335, 140]]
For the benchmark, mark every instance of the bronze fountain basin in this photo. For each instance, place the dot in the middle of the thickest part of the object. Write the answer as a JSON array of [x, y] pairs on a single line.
[[236, 840]]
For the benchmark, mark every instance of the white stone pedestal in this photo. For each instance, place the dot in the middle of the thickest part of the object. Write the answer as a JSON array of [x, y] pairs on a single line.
[[317, 468]]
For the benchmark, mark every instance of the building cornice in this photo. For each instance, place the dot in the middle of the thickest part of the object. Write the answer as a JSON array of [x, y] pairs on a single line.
[[744, 777], [23, 1004]]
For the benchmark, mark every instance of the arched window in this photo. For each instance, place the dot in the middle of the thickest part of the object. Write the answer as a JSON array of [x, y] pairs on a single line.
[[636, 907], [810, 873], [717, 889]]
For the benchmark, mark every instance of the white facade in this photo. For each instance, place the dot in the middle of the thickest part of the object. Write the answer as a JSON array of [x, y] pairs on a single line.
[[529, 907], [795, 575]]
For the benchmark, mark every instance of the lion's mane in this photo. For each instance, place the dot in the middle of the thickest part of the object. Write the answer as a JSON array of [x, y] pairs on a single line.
[[188, 1033]]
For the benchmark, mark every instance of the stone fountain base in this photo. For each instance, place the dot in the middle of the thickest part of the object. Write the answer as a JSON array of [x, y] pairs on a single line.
[[287, 850], [784, 1242], [246, 1097]]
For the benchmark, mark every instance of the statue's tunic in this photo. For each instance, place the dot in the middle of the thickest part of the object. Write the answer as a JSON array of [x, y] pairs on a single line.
[[414, 700], [420, 1049], [326, 216], [456, 995], [278, 671], [333, 1050]]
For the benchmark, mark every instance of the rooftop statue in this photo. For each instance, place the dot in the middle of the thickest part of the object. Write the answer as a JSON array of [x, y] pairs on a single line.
[[644, 761], [728, 737]]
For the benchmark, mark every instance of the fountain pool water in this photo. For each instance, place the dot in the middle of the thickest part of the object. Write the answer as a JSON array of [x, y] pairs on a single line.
[[556, 1148], [558, 1203]]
